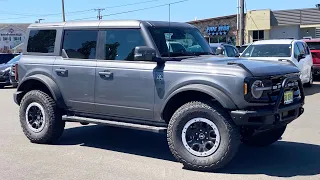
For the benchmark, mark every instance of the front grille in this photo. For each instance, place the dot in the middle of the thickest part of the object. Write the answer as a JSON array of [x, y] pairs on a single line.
[[271, 96]]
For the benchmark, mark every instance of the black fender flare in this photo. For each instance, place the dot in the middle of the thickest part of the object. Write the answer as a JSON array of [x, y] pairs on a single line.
[[49, 83], [217, 94]]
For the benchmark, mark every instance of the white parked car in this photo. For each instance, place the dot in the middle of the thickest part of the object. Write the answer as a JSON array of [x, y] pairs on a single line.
[[296, 51]]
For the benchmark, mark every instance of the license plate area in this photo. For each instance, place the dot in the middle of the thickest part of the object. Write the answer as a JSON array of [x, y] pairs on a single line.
[[288, 97]]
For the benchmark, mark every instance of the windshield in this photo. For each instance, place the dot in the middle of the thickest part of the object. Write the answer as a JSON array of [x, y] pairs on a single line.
[[314, 45], [268, 50], [14, 60], [176, 41]]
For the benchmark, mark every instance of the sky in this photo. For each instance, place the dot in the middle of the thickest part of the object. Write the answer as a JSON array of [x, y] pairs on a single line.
[[28, 11]]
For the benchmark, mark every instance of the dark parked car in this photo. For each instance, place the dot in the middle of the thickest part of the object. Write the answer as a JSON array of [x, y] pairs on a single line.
[[224, 49], [6, 72]]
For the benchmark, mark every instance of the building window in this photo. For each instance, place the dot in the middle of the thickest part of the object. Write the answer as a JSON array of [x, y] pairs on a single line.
[[17, 38], [41, 41], [258, 35], [5, 38]]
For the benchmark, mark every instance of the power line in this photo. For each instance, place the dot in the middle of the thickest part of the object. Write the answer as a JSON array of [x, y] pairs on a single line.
[[135, 10], [24, 16]]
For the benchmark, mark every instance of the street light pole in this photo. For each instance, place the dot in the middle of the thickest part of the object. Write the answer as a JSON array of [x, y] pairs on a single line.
[[241, 25], [63, 14]]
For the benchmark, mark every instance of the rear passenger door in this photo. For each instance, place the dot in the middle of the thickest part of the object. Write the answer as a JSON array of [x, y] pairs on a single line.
[[75, 69], [124, 87]]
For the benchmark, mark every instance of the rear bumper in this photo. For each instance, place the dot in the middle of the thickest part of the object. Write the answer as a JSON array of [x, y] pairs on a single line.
[[316, 69]]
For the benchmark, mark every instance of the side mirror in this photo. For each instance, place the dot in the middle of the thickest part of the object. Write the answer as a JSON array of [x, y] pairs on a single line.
[[237, 55], [301, 56], [219, 51], [144, 53]]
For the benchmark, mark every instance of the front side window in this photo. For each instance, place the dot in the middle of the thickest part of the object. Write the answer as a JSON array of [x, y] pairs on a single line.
[[80, 44], [176, 41], [121, 43], [41, 41], [268, 50], [296, 51]]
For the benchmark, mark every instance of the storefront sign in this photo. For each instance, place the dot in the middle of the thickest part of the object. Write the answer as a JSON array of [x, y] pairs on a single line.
[[11, 33], [218, 30]]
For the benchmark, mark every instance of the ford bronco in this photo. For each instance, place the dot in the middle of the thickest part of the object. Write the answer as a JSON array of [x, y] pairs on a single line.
[[122, 73]]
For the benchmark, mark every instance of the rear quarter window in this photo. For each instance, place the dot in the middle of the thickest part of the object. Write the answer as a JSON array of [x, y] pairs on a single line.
[[41, 41]]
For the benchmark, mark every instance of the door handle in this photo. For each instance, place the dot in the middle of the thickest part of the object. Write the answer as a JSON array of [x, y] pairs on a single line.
[[106, 73], [61, 71]]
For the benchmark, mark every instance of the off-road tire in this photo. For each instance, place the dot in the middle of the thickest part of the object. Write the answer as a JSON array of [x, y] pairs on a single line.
[[264, 138], [229, 143], [54, 125]]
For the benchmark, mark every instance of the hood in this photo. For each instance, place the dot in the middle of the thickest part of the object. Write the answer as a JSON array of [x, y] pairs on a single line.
[[4, 66], [256, 67]]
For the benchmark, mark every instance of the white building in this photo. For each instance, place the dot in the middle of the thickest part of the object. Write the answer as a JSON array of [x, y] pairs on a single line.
[[11, 35]]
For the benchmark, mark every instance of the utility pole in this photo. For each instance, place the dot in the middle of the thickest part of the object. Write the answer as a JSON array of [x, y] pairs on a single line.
[[99, 13], [63, 14], [241, 26]]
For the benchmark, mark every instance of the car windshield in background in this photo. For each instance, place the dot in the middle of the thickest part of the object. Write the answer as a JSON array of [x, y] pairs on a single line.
[[268, 50], [176, 42], [314, 45]]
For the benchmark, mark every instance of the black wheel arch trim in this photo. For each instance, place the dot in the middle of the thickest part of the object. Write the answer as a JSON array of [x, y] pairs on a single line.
[[49, 83], [218, 95]]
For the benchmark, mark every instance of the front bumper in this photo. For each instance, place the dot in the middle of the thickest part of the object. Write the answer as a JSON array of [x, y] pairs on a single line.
[[4, 80], [277, 114]]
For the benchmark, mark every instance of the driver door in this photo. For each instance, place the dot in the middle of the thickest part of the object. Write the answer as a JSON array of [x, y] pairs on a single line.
[[300, 63]]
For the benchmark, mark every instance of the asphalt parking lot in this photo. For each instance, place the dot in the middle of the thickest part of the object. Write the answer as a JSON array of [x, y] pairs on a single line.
[[100, 152]]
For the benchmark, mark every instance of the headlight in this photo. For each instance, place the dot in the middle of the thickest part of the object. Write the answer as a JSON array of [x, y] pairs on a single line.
[[257, 89]]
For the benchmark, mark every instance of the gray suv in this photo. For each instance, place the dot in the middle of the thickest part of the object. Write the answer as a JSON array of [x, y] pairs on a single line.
[[122, 73]]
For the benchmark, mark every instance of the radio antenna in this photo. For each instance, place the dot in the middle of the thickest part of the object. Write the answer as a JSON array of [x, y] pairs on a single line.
[[169, 27]]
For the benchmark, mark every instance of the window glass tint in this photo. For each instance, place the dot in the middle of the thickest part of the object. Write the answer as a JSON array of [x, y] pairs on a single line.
[[230, 51], [268, 50], [41, 41], [296, 51], [187, 41], [80, 44], [301, 48], [314, 45], [120, 43]]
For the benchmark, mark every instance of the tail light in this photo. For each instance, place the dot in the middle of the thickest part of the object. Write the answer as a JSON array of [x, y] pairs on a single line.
[[16, 72]]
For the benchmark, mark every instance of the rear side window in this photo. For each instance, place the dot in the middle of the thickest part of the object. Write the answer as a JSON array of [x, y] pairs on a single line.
[[41, 41], [314, 45], [80, 44]]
